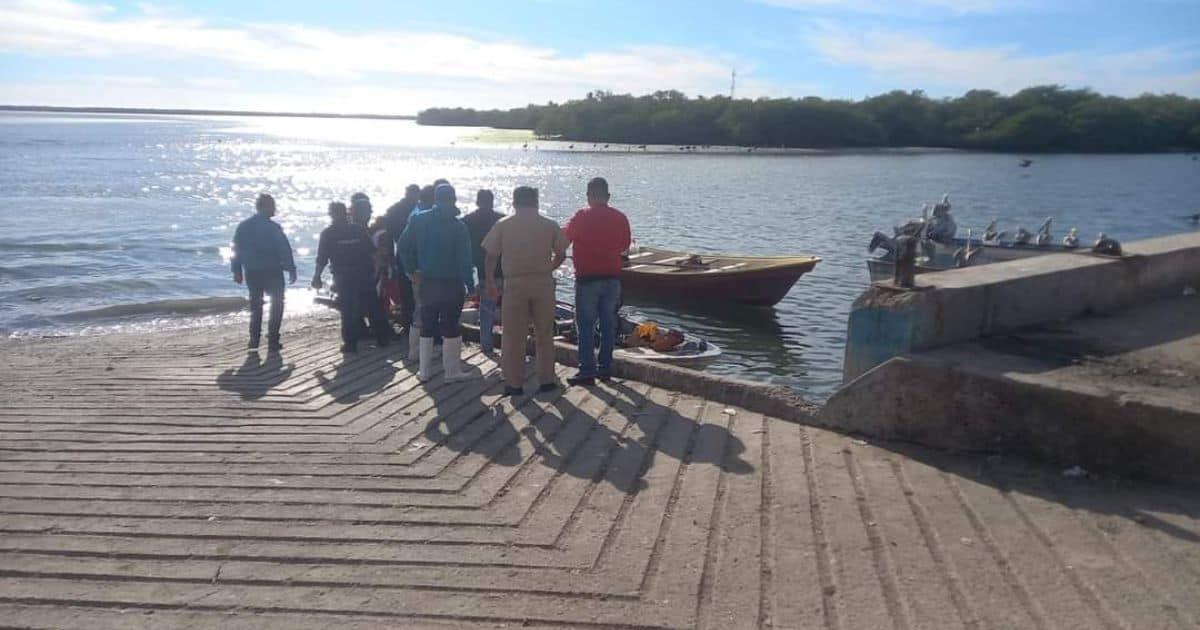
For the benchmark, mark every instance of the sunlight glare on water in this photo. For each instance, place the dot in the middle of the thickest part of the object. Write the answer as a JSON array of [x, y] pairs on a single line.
[[123, 222]]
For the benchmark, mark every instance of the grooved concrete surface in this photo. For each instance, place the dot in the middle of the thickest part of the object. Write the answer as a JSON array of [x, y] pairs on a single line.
[[172, 480]]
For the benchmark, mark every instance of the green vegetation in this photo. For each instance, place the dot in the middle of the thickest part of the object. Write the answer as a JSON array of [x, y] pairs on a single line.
[[1036, 119]]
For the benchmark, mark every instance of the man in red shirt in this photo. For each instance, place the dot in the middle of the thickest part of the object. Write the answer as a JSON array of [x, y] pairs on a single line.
[[600, 235]]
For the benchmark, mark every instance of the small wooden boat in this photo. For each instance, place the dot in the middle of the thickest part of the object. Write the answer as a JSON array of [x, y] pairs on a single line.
[[755, 280], [692, 351]]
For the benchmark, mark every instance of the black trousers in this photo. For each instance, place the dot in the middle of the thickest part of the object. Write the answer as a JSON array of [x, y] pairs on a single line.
[[441, 307], [408, 301], [268, 282], [357, 299]]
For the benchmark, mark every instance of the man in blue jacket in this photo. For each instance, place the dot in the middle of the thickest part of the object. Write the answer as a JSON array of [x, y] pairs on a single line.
[[261, 253], [424, 204], [436, 251]]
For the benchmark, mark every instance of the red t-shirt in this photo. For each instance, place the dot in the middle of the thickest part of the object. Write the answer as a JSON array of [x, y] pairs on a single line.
[[600, 235]]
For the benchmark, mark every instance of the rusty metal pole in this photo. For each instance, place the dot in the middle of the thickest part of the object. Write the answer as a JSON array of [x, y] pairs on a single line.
[[906, 262]]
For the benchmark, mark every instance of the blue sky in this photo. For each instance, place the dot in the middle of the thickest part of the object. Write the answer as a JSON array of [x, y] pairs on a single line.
[[400, 57]]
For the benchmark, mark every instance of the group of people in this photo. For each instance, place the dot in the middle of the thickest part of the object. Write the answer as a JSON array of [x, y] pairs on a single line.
[[421, 260]]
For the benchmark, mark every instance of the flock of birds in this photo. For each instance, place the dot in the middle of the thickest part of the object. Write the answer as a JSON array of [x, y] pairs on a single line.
[[640, 147]]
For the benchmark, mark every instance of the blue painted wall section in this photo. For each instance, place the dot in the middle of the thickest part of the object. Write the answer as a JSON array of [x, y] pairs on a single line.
[[877, 334]]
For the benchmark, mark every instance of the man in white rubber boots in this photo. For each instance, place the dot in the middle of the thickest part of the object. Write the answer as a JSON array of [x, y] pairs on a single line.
[[436, 250]]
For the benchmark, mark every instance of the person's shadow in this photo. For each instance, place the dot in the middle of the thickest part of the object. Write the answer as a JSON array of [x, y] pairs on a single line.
[[463, 421], [623, 461], [359, 374], [255, 377]]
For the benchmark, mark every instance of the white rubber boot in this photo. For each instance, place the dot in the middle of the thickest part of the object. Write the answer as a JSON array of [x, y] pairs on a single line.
[[426, 357], [452, 360], [414, 343]]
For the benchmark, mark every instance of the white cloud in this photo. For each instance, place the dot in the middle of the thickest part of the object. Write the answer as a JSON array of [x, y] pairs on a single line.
[[68, 29], [905, 60]]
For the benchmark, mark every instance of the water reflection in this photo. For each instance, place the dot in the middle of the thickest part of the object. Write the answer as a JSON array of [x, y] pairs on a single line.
[[754, 341], [97, 213]]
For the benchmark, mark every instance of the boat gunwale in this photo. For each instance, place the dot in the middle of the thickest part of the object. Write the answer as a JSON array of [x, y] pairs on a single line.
[[758, 264]]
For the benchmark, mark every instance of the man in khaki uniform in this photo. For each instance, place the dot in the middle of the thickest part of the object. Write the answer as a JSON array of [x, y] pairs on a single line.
[[528, 247]]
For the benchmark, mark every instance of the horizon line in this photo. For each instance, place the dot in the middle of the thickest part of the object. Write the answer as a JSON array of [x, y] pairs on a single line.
[[194, 112]]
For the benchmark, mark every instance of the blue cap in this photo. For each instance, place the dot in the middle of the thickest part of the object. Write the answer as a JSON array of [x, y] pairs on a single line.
[[443, 196]]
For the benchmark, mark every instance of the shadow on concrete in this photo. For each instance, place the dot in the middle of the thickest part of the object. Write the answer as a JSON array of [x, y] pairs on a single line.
[[255, 377], [1100, 337], [359, 374], [466, 420], [1130, 503], [623, 460]]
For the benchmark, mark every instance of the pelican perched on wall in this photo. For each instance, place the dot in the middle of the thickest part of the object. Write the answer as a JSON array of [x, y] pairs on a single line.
[[991, 236], [1071, 239], [964, 255], [1023, 236], [1043, 233]]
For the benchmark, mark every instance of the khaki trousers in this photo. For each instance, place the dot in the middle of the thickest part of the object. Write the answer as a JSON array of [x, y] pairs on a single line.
[[527, 300]]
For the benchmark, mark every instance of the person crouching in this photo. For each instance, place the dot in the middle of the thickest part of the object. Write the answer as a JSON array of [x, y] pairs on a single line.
[[436, 252]]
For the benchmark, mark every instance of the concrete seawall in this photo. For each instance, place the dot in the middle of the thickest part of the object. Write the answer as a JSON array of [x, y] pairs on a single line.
[[964, 304], [1071, 358]]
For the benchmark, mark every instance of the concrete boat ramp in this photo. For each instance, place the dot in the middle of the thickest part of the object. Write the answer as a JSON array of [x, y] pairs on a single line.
[[174, 480]]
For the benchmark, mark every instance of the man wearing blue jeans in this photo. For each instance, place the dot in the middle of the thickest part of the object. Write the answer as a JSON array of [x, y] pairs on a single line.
[[599, 235], [479, 223], [261, 253]]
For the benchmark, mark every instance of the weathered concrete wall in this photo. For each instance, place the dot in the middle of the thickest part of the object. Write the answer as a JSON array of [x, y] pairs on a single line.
[[963, 304], [950, 405]]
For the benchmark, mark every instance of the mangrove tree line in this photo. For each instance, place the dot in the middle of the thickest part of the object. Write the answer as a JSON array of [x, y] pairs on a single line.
[[1036, 119]]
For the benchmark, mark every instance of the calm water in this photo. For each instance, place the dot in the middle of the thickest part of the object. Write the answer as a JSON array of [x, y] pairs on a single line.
[[123, 222]]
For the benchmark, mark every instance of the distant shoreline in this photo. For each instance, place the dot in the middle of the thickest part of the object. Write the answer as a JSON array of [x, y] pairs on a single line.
[[192, 112]]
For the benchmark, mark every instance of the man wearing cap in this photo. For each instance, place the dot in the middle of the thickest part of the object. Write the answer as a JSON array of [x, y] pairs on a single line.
[[436, 250], [424, 204], [261, 253], [529, 247], [348, 247]]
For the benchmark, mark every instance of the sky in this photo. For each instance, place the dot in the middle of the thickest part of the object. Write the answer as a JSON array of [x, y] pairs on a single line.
[[398, 57]]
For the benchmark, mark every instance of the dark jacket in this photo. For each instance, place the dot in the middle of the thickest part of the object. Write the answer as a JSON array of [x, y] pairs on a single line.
[[260, 244], [396, 217], [479, 223], [348, 249]]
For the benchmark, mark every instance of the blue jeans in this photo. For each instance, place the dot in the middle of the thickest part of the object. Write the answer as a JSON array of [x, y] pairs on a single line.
[[487, 322], [267, 282], [596, 300]]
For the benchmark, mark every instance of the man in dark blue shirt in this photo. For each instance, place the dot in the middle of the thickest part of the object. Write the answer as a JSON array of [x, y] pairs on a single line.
[[349, 248], [261, 253]]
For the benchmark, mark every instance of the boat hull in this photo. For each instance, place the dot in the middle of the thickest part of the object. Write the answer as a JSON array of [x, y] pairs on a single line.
[[743, 280], [883, 267], [564, 333]]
